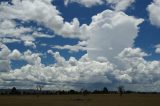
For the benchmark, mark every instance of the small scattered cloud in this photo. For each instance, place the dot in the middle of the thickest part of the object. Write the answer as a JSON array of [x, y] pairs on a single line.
[[118, 5], [157, 49], [153, 10]]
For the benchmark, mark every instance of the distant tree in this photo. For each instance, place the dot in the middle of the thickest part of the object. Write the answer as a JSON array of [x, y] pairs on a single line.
[[72, 91], [14, 90], [105, 90], [82, 91], [121, 90], [39, 88]]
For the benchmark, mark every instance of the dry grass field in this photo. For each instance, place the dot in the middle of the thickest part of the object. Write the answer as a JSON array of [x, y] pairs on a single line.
[[80, 100]]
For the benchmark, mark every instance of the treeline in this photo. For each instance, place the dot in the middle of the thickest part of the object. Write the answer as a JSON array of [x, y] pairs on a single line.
[[15, 91]]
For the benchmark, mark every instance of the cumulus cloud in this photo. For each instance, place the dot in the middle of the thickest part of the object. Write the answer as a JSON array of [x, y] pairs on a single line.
[[120, 4], [31, 58], [87, 3], [37, 10], [85, 70], [29, 44], [154, 9], [111, 32], [108, 40], [140, 70], [5, 66], [15, 55], [6, 57], [8, 29], [4, 60], [9, 40], [10, 33], [64, 71], [80, 46], [117, 5], [157, 49]]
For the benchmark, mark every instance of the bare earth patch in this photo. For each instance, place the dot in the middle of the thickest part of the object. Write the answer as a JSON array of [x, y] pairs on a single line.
[[80, 100]]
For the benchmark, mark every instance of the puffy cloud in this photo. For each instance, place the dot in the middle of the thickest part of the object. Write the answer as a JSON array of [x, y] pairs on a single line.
[[4, 59], [74, 48], [67, 72], [10, 33], [8, 29], [5, 66], [59, 59], [75, 73], [37, 10], [29, 44], [157, 49], [110, 32], [32, 58], [154, 9], [9, 40], [86, 3], [129, 53], [81, 46], [115, 4], [110, 57], [7, 54], [15, 55], [120, 4], [5, 51], [140, 70]]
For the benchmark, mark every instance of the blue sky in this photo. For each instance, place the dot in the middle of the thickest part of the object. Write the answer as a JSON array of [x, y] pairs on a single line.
[[54, 40]]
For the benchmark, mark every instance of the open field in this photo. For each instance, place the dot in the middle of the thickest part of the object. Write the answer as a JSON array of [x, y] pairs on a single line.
[[80, 100]]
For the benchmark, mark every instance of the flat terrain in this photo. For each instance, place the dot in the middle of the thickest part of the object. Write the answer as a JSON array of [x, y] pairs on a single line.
[[80, 100]]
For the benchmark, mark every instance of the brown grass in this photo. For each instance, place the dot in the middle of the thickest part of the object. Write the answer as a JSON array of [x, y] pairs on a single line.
[[80, 100]]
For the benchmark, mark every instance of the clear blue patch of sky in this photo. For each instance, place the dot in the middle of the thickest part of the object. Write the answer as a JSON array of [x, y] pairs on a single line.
[[75, 10]]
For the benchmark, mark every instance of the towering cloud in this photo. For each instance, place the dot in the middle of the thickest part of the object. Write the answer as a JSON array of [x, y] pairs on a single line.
[[110, 32]]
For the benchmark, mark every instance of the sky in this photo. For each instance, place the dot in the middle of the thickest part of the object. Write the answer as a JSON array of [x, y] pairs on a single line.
[[74, 44]]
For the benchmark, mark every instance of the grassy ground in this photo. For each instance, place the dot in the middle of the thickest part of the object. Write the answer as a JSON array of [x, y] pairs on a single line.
[[80, 100]]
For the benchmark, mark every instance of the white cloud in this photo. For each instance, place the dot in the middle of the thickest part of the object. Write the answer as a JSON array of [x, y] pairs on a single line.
[[157, 49], [110, 32], [60, 60], [9, 33], [129, 53], [6, 56], [32, 58], [37, 10], [15, 55], [140, 70], [86, 3], [154, 9], [81, 46], [67, 72], [117, 5], [8, 29], [110, 57], [5, 51], [5, 66], [29, 44], [120, 4], [4, 60], [9, 40], [85, 70]]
